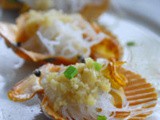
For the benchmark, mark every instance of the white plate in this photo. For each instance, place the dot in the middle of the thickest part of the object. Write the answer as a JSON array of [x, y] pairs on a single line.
[[142, 58]]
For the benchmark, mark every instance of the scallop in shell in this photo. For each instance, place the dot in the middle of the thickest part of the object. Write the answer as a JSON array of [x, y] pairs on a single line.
[[141, 97], [23, 39]]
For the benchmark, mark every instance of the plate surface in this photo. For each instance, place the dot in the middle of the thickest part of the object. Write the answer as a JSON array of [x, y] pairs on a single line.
[[142, 58]]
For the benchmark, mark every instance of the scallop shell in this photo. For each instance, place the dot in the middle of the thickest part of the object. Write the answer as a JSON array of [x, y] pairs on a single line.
[[28, 87], [108, 48], [141, 96], [25, 89], [91, 12]]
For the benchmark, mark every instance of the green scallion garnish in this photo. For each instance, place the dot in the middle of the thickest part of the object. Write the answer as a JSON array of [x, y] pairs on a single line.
[[101, 117], [70, 72], [97, 66], [130, 43]]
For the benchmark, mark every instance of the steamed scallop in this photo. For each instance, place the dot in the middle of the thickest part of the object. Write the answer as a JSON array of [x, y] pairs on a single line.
[[59, 38], [90, 9], [85, 91]]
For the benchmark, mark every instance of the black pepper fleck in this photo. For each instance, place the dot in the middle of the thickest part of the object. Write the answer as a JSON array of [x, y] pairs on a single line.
[[19, 44], [50, 60], [37, 73], [81, 59]]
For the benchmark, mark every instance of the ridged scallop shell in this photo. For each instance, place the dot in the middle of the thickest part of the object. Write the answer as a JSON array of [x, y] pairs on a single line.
[[141, 96]]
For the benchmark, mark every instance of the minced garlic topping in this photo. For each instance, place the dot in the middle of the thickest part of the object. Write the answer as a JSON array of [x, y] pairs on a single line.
[[82, 89]]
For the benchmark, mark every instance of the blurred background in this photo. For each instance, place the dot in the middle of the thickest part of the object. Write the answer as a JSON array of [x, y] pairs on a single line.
[[144, 12]]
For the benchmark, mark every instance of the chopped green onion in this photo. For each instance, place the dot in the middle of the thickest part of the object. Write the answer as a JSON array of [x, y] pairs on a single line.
[[130, 43], [70, 72], [97, 66], [101, 117]]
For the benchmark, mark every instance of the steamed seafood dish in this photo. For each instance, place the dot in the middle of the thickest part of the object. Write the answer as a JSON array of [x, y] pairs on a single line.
[[92, 90], [80, 73], [90, 9], [59, 38]]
